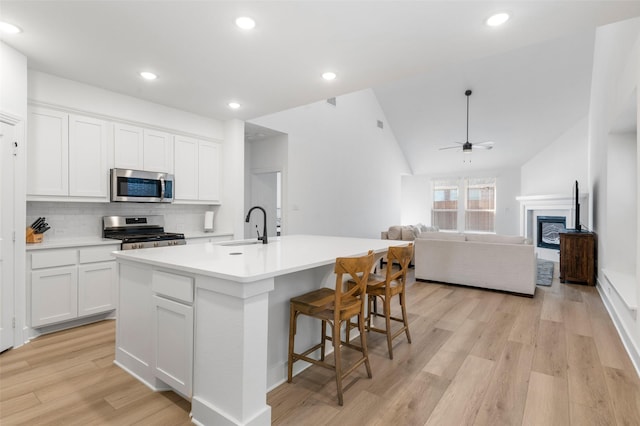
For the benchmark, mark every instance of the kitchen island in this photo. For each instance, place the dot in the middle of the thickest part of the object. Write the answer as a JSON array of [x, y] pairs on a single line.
[[210, 321]]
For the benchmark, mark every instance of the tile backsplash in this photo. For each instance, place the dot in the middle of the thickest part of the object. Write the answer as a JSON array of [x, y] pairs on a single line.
[[84, 220]]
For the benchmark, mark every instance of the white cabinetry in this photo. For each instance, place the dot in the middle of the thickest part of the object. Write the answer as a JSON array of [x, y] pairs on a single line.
[[173, 330], [48, 152], [88, 155], [142, 149], [128, 147], [197, 170], [54, 295], [70, 283], [68, 156]]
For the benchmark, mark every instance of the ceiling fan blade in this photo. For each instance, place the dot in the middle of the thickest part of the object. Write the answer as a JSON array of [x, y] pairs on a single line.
[[449, 147], [484, 145]]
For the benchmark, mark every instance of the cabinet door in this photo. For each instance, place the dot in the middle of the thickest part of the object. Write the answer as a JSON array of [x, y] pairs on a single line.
[[128, 147], [158, 152], [209, 171], [54, 295], [48, 152], [88, 150], [186, 168], [96, 288], [173, 343]]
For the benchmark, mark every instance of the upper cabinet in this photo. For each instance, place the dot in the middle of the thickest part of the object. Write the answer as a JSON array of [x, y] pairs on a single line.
[[196, 170], [88, 154], [142, 149], [68, 156], [128, 147]]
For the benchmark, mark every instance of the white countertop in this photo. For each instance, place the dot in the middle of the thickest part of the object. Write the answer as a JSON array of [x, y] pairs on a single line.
[[254, 262], [201, 234], [71, 242]]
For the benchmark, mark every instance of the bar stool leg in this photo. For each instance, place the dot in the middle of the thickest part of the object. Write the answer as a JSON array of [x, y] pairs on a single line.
[[338, 358], [292, 332]]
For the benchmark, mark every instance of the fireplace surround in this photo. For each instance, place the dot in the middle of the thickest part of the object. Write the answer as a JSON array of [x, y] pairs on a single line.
[[533, 206]]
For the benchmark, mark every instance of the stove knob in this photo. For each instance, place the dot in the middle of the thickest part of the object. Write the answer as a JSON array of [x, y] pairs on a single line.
[[156, 244]]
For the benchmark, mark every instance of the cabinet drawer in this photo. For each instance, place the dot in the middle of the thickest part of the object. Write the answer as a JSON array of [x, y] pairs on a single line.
[[97, 254], [48, 259], [174, 286]]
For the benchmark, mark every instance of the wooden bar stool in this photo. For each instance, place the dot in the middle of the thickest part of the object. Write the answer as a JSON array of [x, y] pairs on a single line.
[[385, 287], [335, 306]]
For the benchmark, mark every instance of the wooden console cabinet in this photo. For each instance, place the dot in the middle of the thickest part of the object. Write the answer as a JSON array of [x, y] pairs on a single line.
[[577, 257]]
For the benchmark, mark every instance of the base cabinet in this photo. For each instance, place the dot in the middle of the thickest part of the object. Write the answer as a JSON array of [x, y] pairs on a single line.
[[54, 295], [577, 257], [70, 283], [173, 340], [96, 288]]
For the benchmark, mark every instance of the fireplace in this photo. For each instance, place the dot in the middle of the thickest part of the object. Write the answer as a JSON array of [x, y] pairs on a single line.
[[549, 228]]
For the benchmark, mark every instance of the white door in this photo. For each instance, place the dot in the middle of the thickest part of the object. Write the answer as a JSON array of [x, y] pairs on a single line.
[[7, 141], [264, 193]]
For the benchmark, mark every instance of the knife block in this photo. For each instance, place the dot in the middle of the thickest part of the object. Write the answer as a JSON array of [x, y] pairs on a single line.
[[32, 237]]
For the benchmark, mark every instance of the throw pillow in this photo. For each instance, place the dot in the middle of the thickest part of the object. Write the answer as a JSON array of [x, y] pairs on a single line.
[[395, 233]]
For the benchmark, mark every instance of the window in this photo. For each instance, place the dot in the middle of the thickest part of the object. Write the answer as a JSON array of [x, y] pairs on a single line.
[[475, 212], [444, 213], [480, 213]]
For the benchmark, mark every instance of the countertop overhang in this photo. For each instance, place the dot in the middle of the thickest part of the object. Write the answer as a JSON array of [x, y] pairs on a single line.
[[254, 262]]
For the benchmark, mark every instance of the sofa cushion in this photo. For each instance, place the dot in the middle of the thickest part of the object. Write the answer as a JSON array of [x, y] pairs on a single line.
[[445, 236], [394, 233], [496, 239]]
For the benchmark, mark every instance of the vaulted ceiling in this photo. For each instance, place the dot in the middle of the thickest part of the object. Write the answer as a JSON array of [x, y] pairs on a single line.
[[530, 77]]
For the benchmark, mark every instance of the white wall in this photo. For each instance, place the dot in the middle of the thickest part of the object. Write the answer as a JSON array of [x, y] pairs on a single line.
[[417, 198], [621, 207], [344, 172], [58, 91], [13, 100], [555, 169], [616, 76]]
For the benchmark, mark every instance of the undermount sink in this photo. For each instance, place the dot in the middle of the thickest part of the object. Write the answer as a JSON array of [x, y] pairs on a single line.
[[241, 243]]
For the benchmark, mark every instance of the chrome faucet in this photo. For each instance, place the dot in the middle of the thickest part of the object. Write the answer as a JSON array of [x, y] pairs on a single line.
[[264, 226]]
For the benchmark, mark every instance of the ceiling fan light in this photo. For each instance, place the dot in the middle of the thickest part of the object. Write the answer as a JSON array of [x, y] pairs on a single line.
[[497, 19]]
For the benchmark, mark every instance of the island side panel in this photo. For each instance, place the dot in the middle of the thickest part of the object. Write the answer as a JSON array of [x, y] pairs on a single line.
[[230, 353], [134, 343]]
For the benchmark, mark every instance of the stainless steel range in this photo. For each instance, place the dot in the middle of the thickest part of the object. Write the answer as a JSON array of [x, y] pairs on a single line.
[[139, 232]]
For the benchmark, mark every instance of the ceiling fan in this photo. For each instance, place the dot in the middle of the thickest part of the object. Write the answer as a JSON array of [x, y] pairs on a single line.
[[467, 146]]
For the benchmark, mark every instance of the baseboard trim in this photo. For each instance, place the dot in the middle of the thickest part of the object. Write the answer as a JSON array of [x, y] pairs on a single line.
[[625, 336]]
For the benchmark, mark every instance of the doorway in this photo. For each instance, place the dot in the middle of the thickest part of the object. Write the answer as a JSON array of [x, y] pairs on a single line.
[[8, 145], [266, 191]]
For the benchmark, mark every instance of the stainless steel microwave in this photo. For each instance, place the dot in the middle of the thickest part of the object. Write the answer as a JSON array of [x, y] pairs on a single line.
[[138, 186]]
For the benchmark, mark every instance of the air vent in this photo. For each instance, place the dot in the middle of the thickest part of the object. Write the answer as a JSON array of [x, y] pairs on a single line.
[[331, 101], [380, 124]]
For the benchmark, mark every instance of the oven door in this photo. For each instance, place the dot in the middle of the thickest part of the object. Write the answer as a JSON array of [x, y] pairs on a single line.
[[141, 187]]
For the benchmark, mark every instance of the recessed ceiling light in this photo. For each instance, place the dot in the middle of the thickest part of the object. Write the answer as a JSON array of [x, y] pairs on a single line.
[[329, 75], [245, 23], [234, 105], [8, 28], [497, 19], [148, 75]]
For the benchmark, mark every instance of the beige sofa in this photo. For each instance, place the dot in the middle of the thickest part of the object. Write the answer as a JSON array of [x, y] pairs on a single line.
[[498, 262]]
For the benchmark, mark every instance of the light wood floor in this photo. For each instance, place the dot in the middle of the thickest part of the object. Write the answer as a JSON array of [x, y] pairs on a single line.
[[477, 357]]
